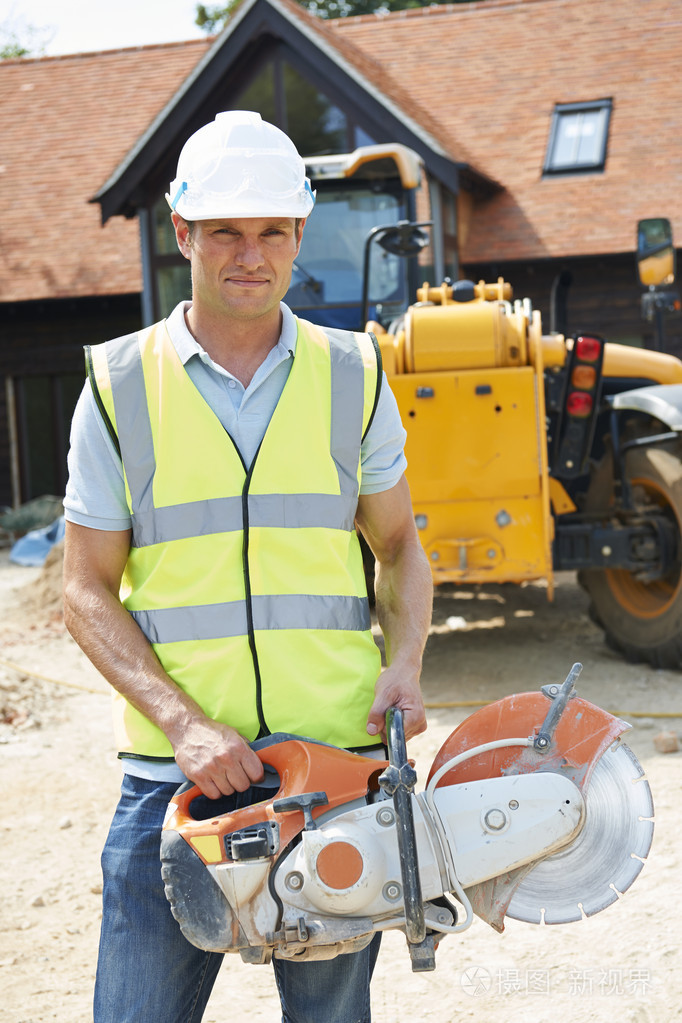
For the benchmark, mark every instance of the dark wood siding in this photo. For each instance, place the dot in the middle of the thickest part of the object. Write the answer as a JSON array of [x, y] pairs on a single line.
[[41, 351]]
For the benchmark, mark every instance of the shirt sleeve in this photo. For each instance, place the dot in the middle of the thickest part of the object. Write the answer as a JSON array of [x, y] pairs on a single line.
[[383, 457], [95, 489]]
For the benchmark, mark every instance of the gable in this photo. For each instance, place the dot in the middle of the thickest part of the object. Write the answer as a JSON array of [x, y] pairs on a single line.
[[356, 81]]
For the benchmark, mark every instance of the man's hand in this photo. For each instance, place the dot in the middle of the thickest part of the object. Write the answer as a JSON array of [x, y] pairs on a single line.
[[392, 690], [213, 756], [216, 758]]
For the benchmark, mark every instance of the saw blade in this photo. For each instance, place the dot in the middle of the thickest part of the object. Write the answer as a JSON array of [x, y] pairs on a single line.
[[605, 857]]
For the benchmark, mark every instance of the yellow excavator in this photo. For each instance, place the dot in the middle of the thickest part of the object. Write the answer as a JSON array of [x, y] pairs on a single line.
[[528, 452]]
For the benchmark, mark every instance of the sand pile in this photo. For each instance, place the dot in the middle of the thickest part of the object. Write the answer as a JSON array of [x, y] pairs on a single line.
[[40, 601]]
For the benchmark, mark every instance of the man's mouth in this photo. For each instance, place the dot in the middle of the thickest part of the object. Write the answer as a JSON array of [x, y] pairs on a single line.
[[247, 282]]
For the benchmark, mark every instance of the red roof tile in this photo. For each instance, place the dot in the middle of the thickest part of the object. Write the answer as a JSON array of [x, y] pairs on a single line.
[[67, 124]]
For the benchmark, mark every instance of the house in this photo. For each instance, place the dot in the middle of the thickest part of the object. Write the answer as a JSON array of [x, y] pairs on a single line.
[[548, 128]]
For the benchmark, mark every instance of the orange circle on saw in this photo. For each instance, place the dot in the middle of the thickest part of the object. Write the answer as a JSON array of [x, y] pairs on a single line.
[[339, 865]]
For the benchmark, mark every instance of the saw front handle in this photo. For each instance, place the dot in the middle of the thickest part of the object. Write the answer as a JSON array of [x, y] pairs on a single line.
[[399, 780]]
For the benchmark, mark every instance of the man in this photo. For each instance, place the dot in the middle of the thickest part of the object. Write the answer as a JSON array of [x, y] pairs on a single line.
[[212, 573]]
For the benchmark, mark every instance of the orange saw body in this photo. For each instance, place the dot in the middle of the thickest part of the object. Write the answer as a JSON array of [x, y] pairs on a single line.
[[533, 808]]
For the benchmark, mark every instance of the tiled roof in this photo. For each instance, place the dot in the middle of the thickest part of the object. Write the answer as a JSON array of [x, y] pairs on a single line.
[[66, 124], [491, 73], [482, 78]]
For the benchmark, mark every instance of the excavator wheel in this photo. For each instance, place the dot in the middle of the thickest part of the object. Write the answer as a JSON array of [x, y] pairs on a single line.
[[642, 620]]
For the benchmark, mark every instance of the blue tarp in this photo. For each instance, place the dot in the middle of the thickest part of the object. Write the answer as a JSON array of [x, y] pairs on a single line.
[[33, 548]]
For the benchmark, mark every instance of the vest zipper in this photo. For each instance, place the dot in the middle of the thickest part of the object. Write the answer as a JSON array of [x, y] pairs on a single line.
[[263, 730]]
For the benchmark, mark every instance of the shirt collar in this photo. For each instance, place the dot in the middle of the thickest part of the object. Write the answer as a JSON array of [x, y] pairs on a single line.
[[187, 346]]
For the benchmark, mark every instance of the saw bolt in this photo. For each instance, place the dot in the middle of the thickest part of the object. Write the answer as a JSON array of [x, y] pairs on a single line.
[[495, 820], [392, 891], [294, 881]]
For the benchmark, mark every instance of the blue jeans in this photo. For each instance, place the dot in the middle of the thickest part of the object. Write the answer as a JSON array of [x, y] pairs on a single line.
[[148, 972]]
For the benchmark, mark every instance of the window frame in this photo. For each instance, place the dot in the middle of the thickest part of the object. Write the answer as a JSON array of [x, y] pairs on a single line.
[[561, 112]]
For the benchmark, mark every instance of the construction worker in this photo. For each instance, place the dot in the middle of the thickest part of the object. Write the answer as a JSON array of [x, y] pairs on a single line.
[[219, 462]]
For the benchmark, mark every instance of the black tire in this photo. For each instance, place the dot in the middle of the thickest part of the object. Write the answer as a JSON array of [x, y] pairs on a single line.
[[641, 620]]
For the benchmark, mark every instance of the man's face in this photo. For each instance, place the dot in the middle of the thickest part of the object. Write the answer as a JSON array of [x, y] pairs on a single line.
[[241, 268]]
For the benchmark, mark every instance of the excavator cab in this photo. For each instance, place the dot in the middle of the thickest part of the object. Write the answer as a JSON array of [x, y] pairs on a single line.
[[334, 283]]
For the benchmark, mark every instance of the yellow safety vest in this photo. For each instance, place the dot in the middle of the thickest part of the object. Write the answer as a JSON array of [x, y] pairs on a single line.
[[247, 580]]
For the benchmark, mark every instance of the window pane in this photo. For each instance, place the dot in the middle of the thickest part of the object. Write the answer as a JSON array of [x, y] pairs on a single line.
[[315, 125], [362, 138], [47, 409], [329, 267], [175, 285], [259, 95], [590, 138], [39, 425], [579, 138], [566, 144], [163, 233]]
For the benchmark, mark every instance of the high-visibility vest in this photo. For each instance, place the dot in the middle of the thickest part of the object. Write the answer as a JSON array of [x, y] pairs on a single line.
[[248, 581]]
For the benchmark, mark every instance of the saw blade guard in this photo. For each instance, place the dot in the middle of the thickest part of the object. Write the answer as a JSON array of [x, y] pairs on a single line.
[[585, 746]]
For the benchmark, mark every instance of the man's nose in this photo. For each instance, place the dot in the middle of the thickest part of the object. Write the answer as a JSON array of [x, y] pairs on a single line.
[[250, 254]]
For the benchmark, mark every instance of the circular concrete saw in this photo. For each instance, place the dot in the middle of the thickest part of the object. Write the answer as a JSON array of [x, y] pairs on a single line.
[[534, 809]]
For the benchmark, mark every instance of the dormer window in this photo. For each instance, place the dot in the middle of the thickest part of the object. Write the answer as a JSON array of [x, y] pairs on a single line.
[[578, 135]]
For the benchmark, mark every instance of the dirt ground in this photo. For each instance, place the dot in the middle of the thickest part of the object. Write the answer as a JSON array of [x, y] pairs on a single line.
[[59, 778]]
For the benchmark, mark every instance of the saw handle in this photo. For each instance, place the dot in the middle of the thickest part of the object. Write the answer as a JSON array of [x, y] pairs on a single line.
[[399, 780]]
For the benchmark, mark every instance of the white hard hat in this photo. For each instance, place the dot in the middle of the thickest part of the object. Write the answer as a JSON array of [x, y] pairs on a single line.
[[240, 166]]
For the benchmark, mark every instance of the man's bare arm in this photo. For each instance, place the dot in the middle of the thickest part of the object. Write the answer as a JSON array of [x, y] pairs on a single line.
[[404, 600], [212, 755]]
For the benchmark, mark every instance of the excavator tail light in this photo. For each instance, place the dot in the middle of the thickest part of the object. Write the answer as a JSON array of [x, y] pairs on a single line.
[[579, 403], [588, 349], [584, 377]]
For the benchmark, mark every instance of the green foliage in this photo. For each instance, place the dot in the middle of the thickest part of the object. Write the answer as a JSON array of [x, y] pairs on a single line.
[[9, 50], [11, 46], [22, 41], [212, 19]]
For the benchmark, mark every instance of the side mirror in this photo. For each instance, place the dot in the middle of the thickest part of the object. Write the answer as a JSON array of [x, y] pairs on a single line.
[[655, 252], [402, 239], [405, 239]]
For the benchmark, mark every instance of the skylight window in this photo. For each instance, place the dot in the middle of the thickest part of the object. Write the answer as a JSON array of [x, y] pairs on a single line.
[[577, 139]]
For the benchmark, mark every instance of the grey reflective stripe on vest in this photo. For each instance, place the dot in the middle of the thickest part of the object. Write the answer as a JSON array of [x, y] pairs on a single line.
[[292, 611], [224, 515], [348, 403], [132, 420], [158, 525]]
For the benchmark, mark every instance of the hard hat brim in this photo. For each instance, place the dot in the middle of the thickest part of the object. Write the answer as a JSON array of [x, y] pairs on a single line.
[[299, 209]]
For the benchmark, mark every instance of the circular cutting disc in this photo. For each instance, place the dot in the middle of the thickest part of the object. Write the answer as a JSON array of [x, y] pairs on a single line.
[[605, 857]]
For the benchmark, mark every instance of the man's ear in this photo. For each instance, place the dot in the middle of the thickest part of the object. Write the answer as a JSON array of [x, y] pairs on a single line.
[[182, 234], [300, 224]]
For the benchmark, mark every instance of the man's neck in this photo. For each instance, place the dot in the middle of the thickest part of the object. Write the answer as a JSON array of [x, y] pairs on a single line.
[[239, 346]]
